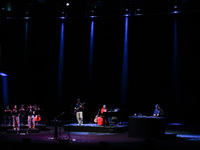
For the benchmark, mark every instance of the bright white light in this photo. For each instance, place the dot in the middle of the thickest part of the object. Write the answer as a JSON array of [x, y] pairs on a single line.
[[138, 14], [175, 12], [175, 7], [26, 17], [92, 16], [3, 74], [62, 17], [67, 4]]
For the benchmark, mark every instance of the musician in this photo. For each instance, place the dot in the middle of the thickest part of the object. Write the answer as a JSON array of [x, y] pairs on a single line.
[[105, 119], [79, 112], [22, 113], [15, 116], [31, 121], [158, 112], [37, 114], [7, 116]]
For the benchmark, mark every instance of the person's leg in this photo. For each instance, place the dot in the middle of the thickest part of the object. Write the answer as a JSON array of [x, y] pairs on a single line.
[[81, 117], [29, 122], [18, 122], [77, 117], [33, 121], [14, 121]]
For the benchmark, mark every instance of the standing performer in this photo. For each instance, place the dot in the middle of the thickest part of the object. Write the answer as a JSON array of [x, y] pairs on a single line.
[[7, 116], [37, 114], [15, 116], [31, 121], [79, 112], [22, 112]]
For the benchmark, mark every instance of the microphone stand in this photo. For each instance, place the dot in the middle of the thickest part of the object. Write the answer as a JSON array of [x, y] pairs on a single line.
[[56, 127]]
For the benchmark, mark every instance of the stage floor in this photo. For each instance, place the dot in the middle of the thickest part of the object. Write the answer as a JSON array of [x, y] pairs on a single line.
[[4, 128], [96, 128], [175, 139]]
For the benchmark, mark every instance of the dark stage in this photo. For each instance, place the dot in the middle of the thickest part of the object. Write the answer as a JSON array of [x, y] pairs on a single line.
[[176, 137], [32, 65], [127, 54]]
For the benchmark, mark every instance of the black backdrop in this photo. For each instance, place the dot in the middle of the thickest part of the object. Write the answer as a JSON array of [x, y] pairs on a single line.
[[33, 71]]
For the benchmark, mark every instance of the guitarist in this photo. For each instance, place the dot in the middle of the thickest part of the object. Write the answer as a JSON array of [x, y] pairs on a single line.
[[79, 112]]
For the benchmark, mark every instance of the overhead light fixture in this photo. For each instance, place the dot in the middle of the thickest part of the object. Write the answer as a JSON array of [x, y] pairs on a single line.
[[3, 74]]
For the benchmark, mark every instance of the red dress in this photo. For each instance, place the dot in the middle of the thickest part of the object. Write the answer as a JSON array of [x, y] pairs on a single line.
[[100, 120]]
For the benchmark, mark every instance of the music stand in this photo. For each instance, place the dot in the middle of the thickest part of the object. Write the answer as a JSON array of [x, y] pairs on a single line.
[[55, 136]]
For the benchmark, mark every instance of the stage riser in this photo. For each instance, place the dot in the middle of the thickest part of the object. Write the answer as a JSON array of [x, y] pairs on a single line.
[[5, 128], [22, 131], [106, 129]]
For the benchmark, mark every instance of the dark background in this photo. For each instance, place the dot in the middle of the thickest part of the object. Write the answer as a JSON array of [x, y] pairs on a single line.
[[33, 70]]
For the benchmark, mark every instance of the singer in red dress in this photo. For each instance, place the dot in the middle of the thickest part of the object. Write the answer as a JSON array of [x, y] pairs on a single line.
[[104, 120]]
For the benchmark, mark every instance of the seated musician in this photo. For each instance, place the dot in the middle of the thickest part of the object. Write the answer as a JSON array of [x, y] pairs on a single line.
[[105, 119], [158, 112]]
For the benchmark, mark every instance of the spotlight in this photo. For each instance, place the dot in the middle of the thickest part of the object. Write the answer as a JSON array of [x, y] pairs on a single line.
[[138, 10], [175, 10], [67, 4], [175, 7], [3, 74], [127, 12], [26, 15], [92, 16], [62, 17]]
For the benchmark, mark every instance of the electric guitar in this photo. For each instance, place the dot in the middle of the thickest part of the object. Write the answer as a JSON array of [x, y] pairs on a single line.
[[76, 109]]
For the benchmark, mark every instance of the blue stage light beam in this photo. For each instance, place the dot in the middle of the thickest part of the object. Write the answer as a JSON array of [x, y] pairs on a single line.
[[26, 41], [61, 60], [91, 54], [124, 76], [3, 74], [5, 89], [175, 63]]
